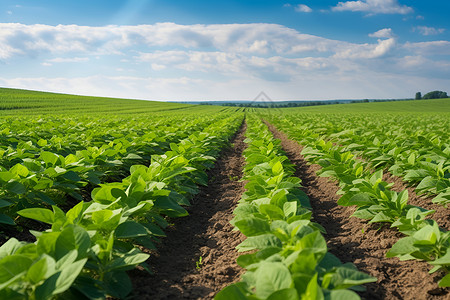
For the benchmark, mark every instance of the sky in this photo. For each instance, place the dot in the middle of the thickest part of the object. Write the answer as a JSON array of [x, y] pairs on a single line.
[[195, 50]]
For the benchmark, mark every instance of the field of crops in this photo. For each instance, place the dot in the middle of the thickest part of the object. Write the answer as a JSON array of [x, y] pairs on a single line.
[[134, 199]]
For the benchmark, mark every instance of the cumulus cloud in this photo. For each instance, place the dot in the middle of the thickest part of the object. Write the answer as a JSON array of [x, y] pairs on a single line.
[[383, 33], [425, 30], [303, 8], [374, 7]]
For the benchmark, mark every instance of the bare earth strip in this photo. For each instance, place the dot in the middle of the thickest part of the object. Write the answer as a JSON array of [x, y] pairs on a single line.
[[353, 240], [205, 233]]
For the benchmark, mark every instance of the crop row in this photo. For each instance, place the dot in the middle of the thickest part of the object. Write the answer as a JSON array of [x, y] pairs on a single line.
[[287, 255], [415, 149], [87, 250], [42, 167], [376, 202]]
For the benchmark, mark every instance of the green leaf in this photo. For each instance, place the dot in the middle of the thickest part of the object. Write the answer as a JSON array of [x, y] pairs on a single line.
[[37, 271], [290, 209], [271, 277], [443, 260], [313, 290], [13, 265], [16, 187], [60, 281], [38, 214], [71, 175], [4, 219], [402, 246], [20, 170], [445, 281], [10, 247], [343, 295], [285, 294], [128, 261], [277, 168], [118, 284], [259, 242], [49, 157], [4, 203], [253, 226], [235, 291], [72, 238], [130, 229]]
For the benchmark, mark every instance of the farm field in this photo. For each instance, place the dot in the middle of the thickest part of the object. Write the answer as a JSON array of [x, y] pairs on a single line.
[[140, 199]]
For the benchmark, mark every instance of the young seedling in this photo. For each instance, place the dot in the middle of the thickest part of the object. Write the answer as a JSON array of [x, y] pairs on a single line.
[[198, 263]]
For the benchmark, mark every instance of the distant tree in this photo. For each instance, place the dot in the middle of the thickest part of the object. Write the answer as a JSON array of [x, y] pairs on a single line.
[[418, 95], [435, 95]]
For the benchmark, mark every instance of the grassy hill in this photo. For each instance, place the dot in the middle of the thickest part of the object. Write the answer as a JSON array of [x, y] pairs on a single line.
[[26, 102]]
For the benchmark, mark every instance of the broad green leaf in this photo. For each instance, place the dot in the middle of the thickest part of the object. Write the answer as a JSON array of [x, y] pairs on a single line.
[[272, 277], [16, 187], [13, 265], [72, 238], [4, 219], [20, 170], [253, 226], [118, 284], [130, 229], [38, 214], [445, 281], [10, 247], [49, 158]]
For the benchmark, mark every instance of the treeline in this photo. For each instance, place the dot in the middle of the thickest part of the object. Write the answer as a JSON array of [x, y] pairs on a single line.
[[431, 95]]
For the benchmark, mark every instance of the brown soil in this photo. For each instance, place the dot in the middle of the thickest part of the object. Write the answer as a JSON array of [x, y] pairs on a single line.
[[441, 214], [353, 240], [205, 233]]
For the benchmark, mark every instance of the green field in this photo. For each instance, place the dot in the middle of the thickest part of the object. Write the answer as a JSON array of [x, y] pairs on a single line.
[[25, 102], [413, 106], [90, 186]]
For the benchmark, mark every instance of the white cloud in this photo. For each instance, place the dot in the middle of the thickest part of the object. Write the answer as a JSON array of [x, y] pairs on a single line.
[[368, 51], [9, 12], [429, 48], [68, 60], [303, 8], [225, 61], [424, 30], [374, 7], [383, 33]]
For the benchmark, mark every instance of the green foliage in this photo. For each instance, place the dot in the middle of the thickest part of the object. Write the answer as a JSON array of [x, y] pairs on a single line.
[[435, 95], [289, 258], [88, 249]]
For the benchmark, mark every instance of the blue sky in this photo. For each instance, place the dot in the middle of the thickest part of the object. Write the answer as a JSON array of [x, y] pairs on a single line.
[[210, 50]]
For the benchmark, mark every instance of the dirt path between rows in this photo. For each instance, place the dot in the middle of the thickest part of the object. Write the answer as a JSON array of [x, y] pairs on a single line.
[[205, 233], [353, 240]]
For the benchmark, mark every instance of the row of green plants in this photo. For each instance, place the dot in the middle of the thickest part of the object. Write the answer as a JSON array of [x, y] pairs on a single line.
[[37, 171], [417, 149], [87, 250], [377, 203], [286, 254]]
